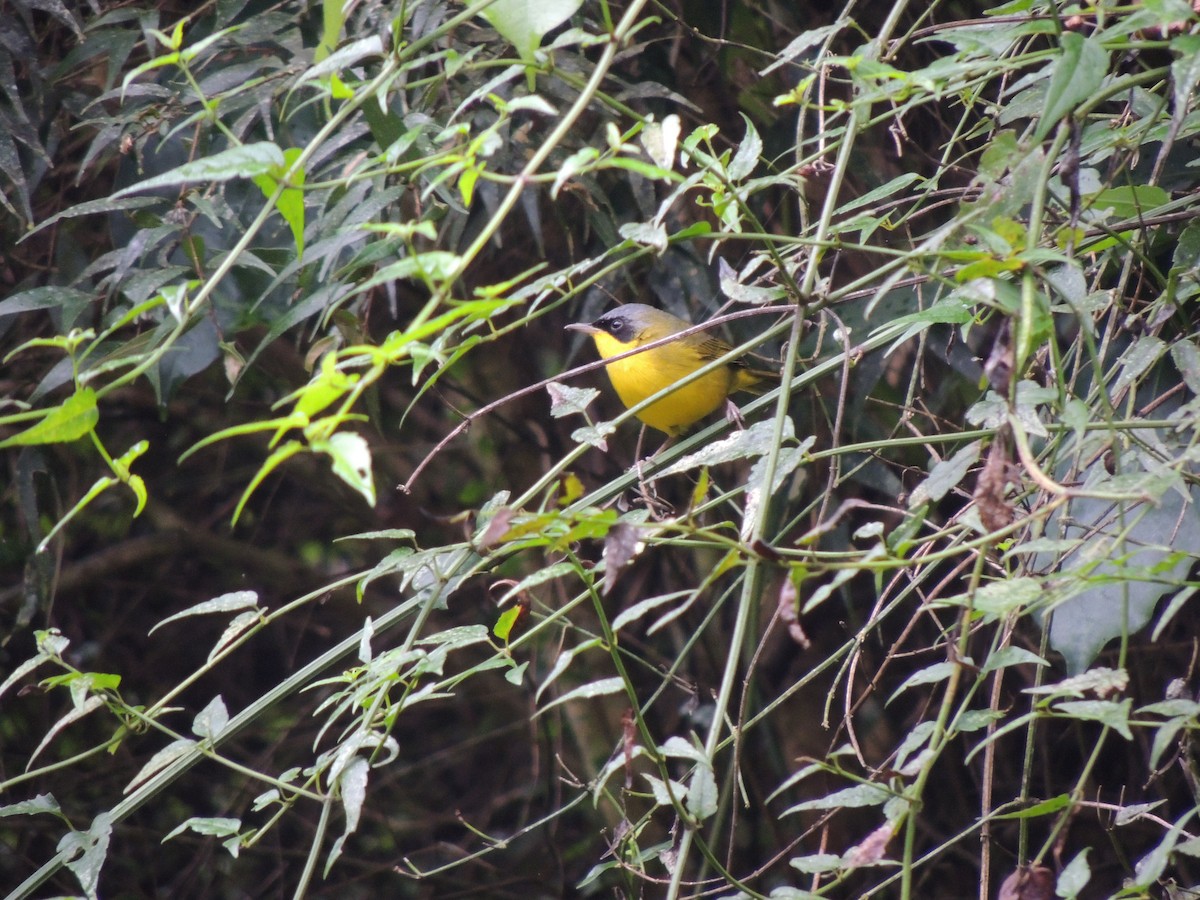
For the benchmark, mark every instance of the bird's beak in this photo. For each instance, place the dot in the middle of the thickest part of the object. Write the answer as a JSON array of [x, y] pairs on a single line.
[[580, 326]]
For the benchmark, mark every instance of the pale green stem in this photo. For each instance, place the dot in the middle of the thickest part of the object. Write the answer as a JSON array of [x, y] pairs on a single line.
[[752, 577]]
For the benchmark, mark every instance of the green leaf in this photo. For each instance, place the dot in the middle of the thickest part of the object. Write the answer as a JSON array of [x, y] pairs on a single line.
[[87, 851], [1045, 808], [817, 863], [681, 748], [996, 599], [237, 625], [386, 534], [849, 798], [702, 795], [663, 791], [160, 760], [352, 789], [598, 688], [1172, 609], [1187, 250], [929, 675], [648, 234], [466, 183], [753, 441], [945, 476], [577, 162], [1151, 866], [897, 184], [98, 488], [749, 152], [1185, 70], [758, 492], [660, 140], [211, 721], [93, 207], [1165, 738], [291, 201], [566, 400], [69, 300], [1135, 811], [210, 827], [1100, 680], [644, 607], [1137, 360], [42, 803], [1000, 155], [293, 420], [325, 388], [276, 459], [504, 625], [523, 23], [1186, 357], [1077, 75], [594, 435], [1114, 715], [138, 486], [515, 673], [435, 265], [233, 602], [332, 19], [1129, 201], [120, 467], [801, 43], [751, 294], [977, 719], [244, 161], [561, 663], [1011, 656], [76, 417]]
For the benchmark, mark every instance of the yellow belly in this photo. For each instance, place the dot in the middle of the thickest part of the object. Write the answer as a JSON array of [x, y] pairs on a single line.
[[645, 374]]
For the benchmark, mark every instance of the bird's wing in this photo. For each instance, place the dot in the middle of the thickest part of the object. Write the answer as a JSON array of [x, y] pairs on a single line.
[[710, 348]]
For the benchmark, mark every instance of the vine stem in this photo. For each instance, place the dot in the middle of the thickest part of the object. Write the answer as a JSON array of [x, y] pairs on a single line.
[[618, 36], [940, 736], [752, 578]]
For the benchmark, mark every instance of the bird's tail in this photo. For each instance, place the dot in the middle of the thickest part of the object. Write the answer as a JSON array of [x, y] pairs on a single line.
[[755, 381]]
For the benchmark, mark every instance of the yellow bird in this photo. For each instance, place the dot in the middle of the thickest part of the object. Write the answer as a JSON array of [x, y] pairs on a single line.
[[643, 374]]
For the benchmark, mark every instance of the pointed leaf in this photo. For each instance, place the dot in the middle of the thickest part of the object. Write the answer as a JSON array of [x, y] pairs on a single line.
[[244, 161], [76, 417], [1077, 75]]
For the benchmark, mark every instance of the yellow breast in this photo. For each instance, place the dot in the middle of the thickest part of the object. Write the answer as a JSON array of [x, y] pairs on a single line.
[[645, 374]]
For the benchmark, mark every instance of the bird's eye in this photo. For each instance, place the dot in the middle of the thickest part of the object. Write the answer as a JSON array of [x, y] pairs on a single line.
[[614, 325]]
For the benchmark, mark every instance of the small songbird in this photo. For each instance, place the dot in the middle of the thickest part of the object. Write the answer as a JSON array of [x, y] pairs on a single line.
[[643, 374]]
